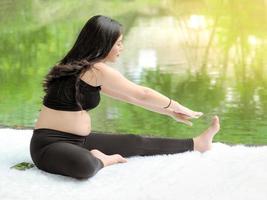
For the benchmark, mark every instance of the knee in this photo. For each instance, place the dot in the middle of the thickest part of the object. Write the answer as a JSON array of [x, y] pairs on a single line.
[[85, 169]]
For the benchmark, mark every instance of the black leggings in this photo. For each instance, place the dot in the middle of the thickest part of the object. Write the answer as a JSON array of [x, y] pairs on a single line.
[[68, 154]]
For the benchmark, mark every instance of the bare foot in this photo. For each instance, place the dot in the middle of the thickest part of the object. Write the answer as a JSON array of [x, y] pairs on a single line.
[[203, 142], [108, 159]]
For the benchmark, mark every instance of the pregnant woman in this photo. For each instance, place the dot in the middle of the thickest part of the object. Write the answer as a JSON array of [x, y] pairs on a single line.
[[62, 141]]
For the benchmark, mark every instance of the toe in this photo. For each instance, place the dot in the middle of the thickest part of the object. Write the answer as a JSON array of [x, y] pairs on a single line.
[[216, 123], [215, 120]]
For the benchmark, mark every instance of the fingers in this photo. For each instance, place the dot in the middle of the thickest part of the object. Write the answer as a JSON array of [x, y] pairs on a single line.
[[198, 114], [182, 118], [191, 115], [187, 122], [178, 108]]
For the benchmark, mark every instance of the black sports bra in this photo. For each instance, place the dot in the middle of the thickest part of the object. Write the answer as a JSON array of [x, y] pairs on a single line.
[[61, 95]]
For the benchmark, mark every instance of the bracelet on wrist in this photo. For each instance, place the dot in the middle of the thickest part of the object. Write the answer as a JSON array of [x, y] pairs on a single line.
[[168, 104]]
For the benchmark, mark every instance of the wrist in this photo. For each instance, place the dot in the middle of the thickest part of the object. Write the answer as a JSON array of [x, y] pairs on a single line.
[[168, 112], [174, 105], [170, 101]]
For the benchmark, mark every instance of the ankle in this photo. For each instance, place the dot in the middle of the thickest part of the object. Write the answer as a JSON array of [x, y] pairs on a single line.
[[200, 145]]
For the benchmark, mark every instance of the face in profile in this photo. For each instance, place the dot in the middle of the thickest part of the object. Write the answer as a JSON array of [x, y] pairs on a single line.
[[115, 51]]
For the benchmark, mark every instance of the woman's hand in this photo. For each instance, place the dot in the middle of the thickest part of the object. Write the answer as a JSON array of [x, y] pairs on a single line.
[[180, 118], [183, 111]]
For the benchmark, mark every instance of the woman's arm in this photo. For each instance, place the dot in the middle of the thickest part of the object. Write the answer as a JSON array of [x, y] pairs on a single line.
[[116, 95], [112, 79], [144, 96], [122, 97]]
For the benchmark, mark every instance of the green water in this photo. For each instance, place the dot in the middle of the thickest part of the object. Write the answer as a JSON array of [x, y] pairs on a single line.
[[208, 55]]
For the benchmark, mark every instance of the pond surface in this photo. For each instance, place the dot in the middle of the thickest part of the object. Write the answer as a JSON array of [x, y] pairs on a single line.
[[214, 62]]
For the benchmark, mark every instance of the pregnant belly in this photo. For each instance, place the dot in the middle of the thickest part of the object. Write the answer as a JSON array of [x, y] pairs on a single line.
[[77, 123]]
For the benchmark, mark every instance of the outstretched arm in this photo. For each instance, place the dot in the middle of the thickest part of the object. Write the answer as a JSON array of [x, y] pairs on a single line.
[[122, 97], [118, 96], [112, 79]]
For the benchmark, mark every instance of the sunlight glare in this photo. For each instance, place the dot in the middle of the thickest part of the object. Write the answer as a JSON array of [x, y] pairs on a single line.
[[197, 22], [252, 40]]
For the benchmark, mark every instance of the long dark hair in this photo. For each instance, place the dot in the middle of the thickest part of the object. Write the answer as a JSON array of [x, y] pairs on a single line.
[[93, 44]]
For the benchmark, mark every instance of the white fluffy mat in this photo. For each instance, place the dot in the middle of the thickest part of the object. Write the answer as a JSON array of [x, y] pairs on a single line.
[[226, 172]]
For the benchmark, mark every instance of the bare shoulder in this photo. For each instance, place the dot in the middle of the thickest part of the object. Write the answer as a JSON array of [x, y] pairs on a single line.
[[104, 72], [93, 75], [102, 68], [111, 79]]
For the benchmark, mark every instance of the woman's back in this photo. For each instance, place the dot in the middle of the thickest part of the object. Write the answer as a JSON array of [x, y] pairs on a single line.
[[59, 112]]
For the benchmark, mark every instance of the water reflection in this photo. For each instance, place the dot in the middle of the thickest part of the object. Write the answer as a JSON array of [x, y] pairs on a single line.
[[198, 73]]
